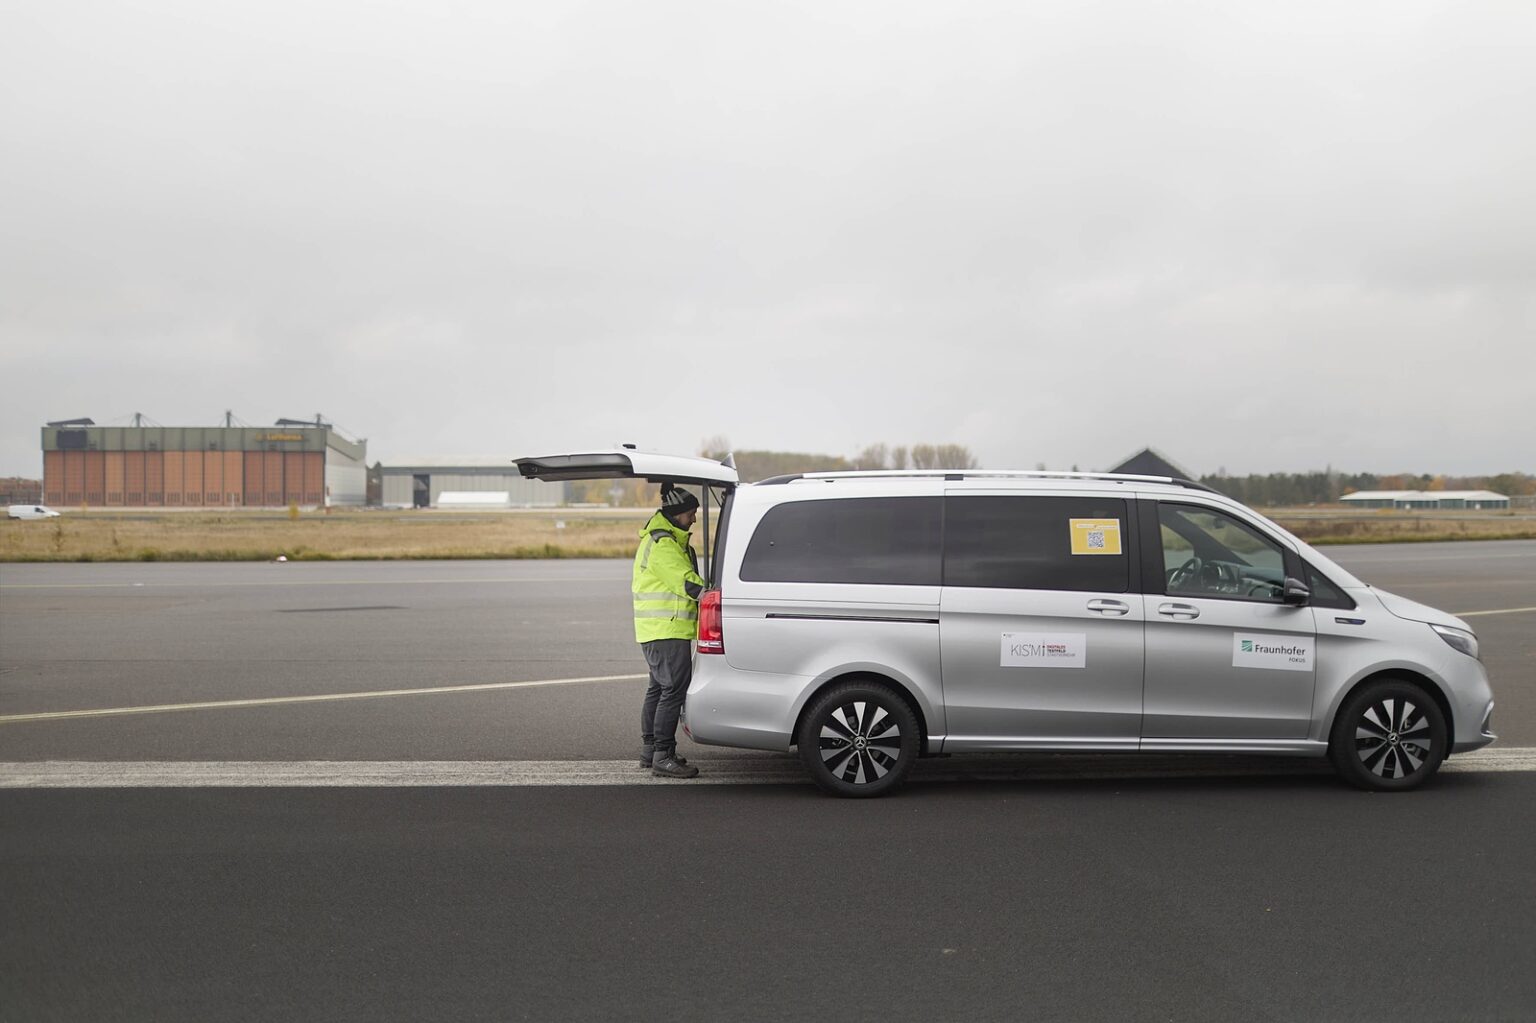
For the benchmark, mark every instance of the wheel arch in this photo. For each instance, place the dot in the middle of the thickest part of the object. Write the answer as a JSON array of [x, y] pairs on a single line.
[[901, 689], [1412, 677]]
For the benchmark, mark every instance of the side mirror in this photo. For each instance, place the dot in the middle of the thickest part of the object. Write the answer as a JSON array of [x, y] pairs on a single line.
[[1295, 592]]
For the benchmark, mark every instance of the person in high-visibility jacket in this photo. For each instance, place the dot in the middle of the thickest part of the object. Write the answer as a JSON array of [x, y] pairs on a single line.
[[666, 588]]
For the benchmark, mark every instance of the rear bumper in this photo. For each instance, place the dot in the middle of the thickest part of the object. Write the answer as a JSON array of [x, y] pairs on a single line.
[[747, 709]]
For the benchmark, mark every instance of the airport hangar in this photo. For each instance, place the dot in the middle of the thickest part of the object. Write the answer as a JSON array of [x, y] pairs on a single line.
[[295, 461], [1440, 499], [465, 482]]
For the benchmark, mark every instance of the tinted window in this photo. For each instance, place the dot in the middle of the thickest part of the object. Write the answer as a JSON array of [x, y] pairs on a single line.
[[1037, 543], [1325, 593], [889, 540]]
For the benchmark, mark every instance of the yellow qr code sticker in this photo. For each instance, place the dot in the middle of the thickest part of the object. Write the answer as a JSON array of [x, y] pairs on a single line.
[[1095, 536]]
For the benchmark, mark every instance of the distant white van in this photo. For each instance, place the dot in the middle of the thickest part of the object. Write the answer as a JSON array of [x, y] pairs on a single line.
[[30, 511]]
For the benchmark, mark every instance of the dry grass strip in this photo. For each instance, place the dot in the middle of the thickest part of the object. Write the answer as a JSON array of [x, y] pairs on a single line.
[[151, 535]]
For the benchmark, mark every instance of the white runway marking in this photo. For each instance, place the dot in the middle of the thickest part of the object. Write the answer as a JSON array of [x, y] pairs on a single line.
[[745, 770], [1499, 611], [285, 583], [271, 701]]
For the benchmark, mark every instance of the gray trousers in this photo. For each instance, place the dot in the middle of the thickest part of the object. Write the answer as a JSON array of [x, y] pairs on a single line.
[[671, 664]]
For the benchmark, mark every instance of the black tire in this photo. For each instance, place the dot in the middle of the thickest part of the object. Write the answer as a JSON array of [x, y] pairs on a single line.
[[1390, 736], [858, 739]]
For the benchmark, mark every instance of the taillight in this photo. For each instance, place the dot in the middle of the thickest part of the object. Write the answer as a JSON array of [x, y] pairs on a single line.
[[711, 637]]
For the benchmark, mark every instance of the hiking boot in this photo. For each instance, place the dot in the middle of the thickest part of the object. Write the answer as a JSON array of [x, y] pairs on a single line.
[[648, 754], [670, 766]]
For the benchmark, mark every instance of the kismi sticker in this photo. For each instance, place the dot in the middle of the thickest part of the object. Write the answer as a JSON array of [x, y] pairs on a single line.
[[1095, 536], [1260, 650], [1045, 650]]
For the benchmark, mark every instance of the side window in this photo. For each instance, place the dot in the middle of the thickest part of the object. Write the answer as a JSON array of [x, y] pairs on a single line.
[[1209, 554], [885, 540], [1325, 593], [1037, 543]]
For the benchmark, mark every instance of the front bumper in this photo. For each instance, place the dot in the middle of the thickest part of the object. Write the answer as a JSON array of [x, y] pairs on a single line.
[[1484, 734]]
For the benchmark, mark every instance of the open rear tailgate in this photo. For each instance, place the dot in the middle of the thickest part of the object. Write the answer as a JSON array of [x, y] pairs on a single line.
[[628, 464]]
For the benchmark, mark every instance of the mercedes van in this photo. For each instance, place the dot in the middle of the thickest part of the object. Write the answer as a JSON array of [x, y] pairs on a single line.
[[867, 619]]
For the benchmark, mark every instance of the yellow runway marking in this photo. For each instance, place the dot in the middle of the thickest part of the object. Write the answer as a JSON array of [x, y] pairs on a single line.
[[1499, 611], [166, 708]]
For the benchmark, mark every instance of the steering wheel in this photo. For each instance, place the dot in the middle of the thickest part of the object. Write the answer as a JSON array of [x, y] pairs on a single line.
[[1185, 574]]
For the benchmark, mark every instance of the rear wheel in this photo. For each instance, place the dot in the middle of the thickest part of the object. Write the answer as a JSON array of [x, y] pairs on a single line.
[[1389, 737], [858, 739]]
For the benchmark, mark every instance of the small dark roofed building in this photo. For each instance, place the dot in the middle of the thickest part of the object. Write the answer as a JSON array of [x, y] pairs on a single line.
[[1151, 462]]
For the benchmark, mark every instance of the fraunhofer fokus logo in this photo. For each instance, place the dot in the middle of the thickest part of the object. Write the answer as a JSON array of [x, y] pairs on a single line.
[[1286, 653]]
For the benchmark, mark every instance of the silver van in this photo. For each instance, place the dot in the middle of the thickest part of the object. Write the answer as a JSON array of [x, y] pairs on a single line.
[[872, 618]]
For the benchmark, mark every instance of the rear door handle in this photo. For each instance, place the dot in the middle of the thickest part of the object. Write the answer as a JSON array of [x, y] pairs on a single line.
[[1183, 612], [1112, 608]]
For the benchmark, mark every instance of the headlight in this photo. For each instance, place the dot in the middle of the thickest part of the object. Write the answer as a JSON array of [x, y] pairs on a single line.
[[1459, 639]]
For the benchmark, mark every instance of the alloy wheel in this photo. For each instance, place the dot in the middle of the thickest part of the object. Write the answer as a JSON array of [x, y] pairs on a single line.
[[1393, 737], [860, 742]]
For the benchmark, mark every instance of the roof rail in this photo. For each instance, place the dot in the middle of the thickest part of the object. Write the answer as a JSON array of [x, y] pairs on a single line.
[[960, 474]]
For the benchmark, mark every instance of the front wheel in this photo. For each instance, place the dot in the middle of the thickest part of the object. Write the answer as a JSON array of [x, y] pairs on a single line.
[[1389, 737], [858, 739]]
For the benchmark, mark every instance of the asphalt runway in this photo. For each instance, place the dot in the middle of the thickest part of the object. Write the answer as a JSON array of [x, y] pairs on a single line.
[[430, 886], [1253, 899], [87, 637]]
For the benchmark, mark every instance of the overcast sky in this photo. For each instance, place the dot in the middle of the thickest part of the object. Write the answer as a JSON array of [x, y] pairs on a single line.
[[1257, 235]]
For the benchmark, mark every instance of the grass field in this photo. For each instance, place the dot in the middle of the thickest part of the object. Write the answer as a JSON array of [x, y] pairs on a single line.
[[312, 536], [1324, 527], [143, 535]]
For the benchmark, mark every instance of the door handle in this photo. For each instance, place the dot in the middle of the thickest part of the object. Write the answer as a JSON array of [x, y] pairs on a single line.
[[1109, 607], [1183, 612]]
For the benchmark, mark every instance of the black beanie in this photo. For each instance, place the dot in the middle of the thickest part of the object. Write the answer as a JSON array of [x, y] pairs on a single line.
[[675, 500]]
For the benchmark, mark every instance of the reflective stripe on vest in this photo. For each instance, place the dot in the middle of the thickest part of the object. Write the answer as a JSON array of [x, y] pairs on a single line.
[[657, 536], [660, 611]]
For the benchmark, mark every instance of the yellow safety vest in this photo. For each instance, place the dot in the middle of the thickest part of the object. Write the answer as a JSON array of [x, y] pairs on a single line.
[[666, 583]]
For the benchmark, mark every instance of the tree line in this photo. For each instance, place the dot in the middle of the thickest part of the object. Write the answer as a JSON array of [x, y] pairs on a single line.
[[761, 465], [1279, 489], [753, 466]]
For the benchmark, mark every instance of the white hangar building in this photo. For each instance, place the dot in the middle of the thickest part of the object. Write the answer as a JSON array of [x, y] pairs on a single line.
[[1426, 499], [464, 482]]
